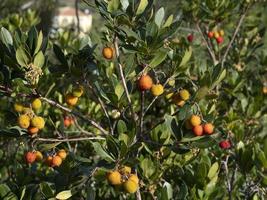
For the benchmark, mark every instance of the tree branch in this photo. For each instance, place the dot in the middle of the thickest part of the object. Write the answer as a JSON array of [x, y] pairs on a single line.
[[77, 15], [68, 139]]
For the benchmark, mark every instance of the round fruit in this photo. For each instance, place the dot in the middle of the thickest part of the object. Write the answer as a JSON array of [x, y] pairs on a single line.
[[134, 178], [208, 128], [39, 156], [38, 122], [107, 52], [169, 95], [264, 90], [216, 34], [49, 160], [130, 186], [210, 34], [184, 94], [125, 170], [145, 82], [18, 107], [219, 40], [171, 82], [115, 114], [62, 154], [33, 130], [66, 121], [24, 121], [195, 120], [190, 38], [30, 157], [114, 177], [71, 100], [56, 161], [78, 92], [221, 32], [176, 99], [157, 90], [225, 144], [198, 130], [36, 104]]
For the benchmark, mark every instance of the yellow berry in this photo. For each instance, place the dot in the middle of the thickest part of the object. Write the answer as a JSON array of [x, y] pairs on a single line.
[[134, 178], [130, 186], [71, 100], [221, 32], [56, 161], [36, 104], [18, 107], [114, 177], [171, 82], [184, 94], [24, 121], [125, 170], [107, 53], [157, 89], [77, 92], [195, 120], [39, 156], [216, 34], [38, 122], [62, 154]]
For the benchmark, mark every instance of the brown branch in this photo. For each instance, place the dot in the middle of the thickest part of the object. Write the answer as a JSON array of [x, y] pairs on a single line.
[[240, 21], [77, 14], [68, 139]]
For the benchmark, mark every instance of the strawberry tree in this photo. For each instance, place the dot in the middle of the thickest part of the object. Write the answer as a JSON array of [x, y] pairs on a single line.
[[153, 106]]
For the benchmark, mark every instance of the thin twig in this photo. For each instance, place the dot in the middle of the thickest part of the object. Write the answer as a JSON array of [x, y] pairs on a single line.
[[212, 55], [142, 114], [240, 21], [77, 15], [69, 139]]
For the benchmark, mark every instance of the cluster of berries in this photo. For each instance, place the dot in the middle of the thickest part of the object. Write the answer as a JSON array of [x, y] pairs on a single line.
[[51, 161], [123, 177], [73, 97], [218, 35], [28, 118], [145, 82], [194, 123]]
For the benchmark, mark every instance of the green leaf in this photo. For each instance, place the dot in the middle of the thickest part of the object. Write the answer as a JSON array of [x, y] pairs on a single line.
[[186, 58], [219, 78], [142, 6], [147, 167], [213, 170], [113, 5], [66, 194], [101, 152], [158, 59], [119, 90], [22, 58], [167, 191], [159, 17], [39, 59], [121, 127], [23, 193], [39, 42], [202, 92], [46, 190], [6, 37], [168, 22], [45, 147]]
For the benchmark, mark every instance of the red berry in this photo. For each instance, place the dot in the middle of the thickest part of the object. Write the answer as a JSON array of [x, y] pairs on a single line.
[[219, 40], [210, 34], [198, 130], [190, 38], [30, 157], [225, 144]]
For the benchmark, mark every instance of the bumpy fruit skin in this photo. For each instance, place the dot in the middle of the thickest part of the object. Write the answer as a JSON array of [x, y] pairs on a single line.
[[208, 128], [225, 144], [114, 177], [38, 122], [18, 107], [184, 94], [62, 154], [71, 100], [48, 161], [145, 82], [210, 34], [125, 170], [78, 92], [134, 178], [30, 157], [190, 38], [107, 53], [39, 156], [33, 130], [195, 120], [36, 104], [219, 40], [130, 186], [24, 121], [198, 130], [66, 122], [157, 90], [56, 161]]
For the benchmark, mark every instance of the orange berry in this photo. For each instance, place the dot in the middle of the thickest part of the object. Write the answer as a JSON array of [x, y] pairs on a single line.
[[198, 130], [56, 161], [107, 53], [195, 120], [145, 82], [264, 90], [62, 154], [210, 34], [30, 157], [66, 121], [49, 160], [114, 177], [33, 130], [39, 156], [71, 100], [208, 128]]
